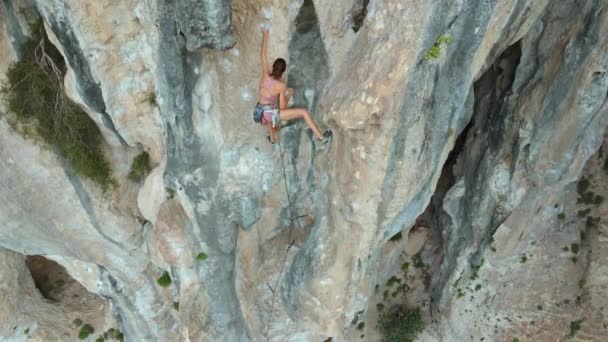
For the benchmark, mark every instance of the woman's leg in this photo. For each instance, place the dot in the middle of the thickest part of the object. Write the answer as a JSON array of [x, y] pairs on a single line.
[[295, 113], [271, 133]]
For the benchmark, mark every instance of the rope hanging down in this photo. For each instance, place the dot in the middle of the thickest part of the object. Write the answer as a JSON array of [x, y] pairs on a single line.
[[291, 222]]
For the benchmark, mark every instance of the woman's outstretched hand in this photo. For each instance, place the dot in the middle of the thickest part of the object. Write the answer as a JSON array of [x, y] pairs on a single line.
[[263, 53]]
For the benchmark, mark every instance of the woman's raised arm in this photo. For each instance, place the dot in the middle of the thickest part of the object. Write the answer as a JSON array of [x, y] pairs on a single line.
[[263, 53]]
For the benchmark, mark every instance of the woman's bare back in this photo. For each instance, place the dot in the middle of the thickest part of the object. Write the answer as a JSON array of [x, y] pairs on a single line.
[[270, 90]]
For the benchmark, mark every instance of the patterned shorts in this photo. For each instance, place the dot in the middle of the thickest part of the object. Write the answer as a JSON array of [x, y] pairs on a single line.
[[265, 114]]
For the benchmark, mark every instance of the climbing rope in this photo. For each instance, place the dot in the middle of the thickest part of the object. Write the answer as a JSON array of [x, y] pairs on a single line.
[[291, 219]]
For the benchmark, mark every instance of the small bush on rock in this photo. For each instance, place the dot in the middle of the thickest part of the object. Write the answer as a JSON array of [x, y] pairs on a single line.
[[170, 193], [35, 96], [400, 325], [575, 326], [164, 280], [202, 256], [151, 99], [85, 331], [435, 51], [114, 334], [139, 167]]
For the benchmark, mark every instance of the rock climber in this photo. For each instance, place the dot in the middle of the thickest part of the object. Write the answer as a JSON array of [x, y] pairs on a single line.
[[274, 96]]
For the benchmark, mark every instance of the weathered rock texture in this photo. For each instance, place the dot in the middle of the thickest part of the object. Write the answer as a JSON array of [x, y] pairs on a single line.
[[478, 149], [47, 313]]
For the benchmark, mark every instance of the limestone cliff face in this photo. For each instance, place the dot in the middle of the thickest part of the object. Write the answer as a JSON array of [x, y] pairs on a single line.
[[470, 153]]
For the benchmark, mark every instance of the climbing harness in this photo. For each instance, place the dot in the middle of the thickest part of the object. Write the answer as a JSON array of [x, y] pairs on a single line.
[[265, 114]]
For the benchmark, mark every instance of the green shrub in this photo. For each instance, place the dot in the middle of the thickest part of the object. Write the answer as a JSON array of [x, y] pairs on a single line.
[[400, 325], [582, 185], [85, 331], [164, 280], [176, 305], [476, 268], [114, 334], [574, 327], [597, 200], [586, 198], [561, 216], [151, 99], [574, 248], [201, 256], [35, 96], [583, 213], [170, 193], [444, 39], [435, 50], [392, 281], [592, 221], [433, 53], [139, 167], [417, 260]]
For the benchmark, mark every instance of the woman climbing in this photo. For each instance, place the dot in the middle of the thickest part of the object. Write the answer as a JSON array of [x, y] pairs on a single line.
[[268, 110]]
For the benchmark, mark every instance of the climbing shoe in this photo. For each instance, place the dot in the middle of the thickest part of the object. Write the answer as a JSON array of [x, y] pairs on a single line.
[[326, 136]]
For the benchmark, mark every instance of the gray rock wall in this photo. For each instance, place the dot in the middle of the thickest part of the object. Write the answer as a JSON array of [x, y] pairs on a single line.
[[519, 93]]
